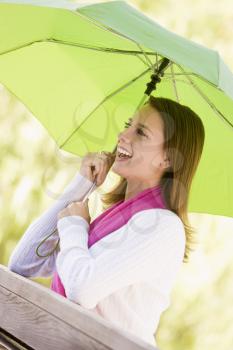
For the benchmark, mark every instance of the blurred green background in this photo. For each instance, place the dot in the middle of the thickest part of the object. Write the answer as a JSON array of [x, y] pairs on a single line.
[[34, 172]]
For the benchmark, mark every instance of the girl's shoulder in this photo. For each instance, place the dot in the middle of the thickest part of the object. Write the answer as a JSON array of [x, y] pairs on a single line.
[[158, 220], [160, 215]]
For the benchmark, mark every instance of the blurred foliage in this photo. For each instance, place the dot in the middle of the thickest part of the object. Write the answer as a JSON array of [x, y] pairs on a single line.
[[34, 172]]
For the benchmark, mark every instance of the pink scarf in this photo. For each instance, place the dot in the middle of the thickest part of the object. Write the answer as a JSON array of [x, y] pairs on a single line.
[[115, 217]]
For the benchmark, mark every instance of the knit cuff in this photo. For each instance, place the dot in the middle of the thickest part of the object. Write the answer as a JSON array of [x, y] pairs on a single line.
[[73, 232], [76, 189]]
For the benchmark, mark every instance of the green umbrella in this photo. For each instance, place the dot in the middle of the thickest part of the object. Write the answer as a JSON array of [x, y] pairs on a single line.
[[82, 71]]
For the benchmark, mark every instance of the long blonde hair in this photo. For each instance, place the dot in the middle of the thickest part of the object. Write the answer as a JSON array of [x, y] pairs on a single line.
[[184, 136]]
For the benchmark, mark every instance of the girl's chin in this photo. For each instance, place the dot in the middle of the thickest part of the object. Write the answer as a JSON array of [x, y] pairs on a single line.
[[122, 160], [119, 170], [121, 163]]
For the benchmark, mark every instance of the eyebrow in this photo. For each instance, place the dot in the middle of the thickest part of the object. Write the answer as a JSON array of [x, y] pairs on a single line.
[[142, 126]]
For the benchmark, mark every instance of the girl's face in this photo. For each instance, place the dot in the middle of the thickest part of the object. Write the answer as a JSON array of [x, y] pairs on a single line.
[[143, 139]]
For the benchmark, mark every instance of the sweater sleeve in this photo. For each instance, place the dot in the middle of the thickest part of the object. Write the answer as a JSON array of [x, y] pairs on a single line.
[[140, 250], [24, 259]]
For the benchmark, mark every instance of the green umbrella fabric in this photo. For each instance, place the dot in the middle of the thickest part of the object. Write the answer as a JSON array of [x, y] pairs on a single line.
[[82, 71]]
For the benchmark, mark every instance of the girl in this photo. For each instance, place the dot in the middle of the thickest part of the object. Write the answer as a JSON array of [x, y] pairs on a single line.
[[123, 264]]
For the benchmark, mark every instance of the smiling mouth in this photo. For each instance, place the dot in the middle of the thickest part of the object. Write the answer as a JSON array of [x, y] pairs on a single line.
[[122, 153], [121, 156]]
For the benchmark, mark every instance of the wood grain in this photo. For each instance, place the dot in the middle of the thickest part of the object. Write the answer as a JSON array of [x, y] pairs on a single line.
[[45, 320]]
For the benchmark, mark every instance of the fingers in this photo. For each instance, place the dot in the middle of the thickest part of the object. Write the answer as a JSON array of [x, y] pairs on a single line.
[[100, 170], [96, 166], [90, 172]]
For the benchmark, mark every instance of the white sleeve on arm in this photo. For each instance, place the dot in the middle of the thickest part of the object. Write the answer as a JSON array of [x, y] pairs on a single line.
[[24, 259], [140, 250]]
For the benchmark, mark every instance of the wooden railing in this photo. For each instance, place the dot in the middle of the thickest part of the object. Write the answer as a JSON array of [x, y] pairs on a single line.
[[34, 317]]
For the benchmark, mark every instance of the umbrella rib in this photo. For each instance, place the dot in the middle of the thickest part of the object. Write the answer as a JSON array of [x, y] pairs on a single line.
[[146, 56], [140, 58], [193, 74], [99, 48], [154, 66], [185, 73], [96, 48], [166, 79], [167, 75], [17, 48], [115, 32], [115, 92], [104, 27], [174, 83], [211, 104]]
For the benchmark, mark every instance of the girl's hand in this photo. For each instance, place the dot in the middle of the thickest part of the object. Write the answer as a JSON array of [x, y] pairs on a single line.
[[76, 208], [96, 166]]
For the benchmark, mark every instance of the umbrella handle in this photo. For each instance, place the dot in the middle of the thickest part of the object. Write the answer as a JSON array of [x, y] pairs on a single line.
[[42, 242], [55, 230]]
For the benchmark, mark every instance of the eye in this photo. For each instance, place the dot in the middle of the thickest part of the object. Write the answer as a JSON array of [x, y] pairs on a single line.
[[139, 131]]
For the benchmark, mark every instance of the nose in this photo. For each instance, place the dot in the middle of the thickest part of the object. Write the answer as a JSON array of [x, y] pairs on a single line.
[[124, 136]]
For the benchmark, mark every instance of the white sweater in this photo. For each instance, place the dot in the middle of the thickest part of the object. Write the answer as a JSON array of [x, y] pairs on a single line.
[[126, 277]]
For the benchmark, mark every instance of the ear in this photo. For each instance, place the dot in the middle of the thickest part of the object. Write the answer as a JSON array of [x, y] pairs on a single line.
[[166, 163]]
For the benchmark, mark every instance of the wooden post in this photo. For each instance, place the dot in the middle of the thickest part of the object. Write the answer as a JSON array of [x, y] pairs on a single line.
[[42, 319]]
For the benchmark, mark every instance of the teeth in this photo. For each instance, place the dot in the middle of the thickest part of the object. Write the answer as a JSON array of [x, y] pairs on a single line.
[[121, 150]]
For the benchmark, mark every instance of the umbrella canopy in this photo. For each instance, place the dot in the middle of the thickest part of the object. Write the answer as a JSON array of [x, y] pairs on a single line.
[[82, 71]]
